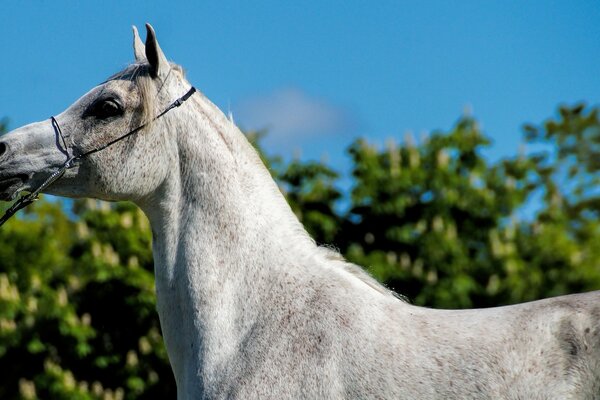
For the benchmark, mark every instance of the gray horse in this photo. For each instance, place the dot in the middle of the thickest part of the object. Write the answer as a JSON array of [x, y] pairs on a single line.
[[249, 306]]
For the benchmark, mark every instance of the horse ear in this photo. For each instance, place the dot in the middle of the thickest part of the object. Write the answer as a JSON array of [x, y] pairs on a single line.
[[138, 46], [159, 66]]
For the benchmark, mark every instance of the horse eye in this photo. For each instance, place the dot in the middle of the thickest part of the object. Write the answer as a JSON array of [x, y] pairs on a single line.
[[106, 108]]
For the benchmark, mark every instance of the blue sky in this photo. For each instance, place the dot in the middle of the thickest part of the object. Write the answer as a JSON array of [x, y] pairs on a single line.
[[320, 73]]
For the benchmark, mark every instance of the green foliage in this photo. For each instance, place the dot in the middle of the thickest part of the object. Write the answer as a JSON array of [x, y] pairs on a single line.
[[77, 306], [434, 220], [438, 222]]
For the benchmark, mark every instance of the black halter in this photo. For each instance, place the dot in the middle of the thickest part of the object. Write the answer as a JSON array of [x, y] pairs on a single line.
[[26, 200]]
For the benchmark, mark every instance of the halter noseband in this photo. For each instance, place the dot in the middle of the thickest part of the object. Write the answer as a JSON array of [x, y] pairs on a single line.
[[26, 200]]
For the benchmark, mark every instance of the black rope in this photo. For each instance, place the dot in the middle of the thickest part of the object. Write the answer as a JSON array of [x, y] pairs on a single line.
[[57, 129], [26, 200]]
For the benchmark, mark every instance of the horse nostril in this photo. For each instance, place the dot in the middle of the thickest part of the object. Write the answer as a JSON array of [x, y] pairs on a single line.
[[3, 148]]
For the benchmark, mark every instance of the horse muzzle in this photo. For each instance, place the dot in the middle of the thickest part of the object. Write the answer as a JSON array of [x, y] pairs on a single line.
[[11, 186]]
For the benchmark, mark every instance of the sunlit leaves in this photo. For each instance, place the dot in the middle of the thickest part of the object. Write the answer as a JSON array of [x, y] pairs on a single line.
[[76, 302]]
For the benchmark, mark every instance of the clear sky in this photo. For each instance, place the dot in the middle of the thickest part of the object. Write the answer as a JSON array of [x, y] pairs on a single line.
[[319, 73]]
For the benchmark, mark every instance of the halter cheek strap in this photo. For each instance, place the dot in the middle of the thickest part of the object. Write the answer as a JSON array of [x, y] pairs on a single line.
[[26, 200]]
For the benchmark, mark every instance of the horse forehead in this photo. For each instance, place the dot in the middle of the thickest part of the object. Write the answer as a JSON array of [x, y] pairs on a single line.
[[121, 86]]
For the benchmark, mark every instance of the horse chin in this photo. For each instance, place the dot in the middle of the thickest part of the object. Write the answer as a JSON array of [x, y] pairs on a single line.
[[10, 187]]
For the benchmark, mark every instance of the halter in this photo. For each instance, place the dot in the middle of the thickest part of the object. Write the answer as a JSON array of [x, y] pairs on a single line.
[[26, 200]]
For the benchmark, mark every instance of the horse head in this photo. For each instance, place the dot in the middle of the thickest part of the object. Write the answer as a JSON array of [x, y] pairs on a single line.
[[127, 102]]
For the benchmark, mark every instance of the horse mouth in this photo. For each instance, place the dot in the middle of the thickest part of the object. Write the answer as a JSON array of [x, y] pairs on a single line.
[[9, 187]]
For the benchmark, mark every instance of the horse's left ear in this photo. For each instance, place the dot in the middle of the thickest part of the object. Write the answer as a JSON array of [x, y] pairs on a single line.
[[138, 46], [159, 66]]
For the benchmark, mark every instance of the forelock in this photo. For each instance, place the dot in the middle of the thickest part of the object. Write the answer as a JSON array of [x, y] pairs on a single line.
[[139, 74]]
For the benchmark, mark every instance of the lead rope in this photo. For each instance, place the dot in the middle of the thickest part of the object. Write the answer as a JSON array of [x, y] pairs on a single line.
[[27, 199]]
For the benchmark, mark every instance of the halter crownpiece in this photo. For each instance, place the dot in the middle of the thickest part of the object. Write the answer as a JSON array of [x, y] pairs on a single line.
[[26, 200]]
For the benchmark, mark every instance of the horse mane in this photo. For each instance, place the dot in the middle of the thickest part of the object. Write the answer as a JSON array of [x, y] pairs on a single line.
[[340, 264], [139, 74]]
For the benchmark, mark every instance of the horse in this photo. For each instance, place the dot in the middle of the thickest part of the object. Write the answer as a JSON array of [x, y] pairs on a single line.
[[250, 307]]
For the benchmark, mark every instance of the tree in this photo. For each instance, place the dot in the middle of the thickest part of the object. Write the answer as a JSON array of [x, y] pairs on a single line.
[[77, 305], [439, 223]]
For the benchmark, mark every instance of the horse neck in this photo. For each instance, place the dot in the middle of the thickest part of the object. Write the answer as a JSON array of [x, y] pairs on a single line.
[[221, 227]]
